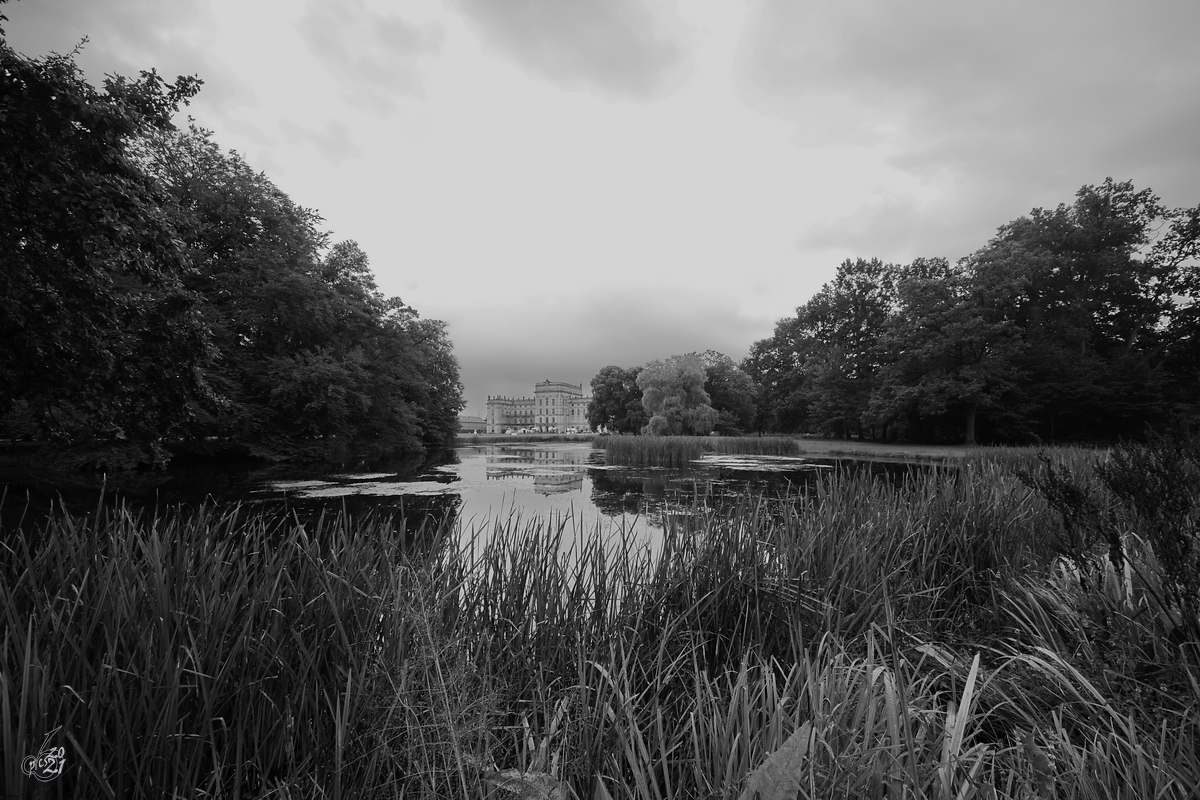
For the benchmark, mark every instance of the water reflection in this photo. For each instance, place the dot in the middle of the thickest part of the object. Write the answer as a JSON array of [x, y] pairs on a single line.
[[566, 483], [555, 470]]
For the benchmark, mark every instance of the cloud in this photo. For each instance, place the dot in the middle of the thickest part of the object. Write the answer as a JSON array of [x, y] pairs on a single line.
[[615, 46], [897, 228], [375, 57], [336, 142], [1003, 107], [903, 227]]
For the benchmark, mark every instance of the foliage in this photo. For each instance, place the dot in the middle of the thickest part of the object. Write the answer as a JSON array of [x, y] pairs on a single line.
[[920, 637], [952, 344], [1078, 322], [158, 290], [775, 365], [1095, 288], [819, 367], [731, 393], [100, 339], [213, 653], [674, 397], [616, 403], [309, 347], [1146, 490]]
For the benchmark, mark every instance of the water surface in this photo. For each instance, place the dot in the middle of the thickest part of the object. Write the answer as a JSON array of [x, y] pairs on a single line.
[[564, 482]]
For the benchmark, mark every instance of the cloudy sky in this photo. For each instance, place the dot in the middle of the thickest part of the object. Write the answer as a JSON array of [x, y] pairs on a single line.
[[575, 183]]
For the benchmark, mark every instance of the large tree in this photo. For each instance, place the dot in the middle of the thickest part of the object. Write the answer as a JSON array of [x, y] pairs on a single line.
[[731, 393], [819, 369], [616, 403], [308, 347], [847, 318], [776, 365], [674, 397], [953, 347], [100, 339], [1101, 295]]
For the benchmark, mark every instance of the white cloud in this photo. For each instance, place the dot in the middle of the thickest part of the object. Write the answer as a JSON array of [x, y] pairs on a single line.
[[998, 107]]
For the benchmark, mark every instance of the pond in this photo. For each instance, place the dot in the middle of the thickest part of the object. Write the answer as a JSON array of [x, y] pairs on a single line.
[[475, 486]]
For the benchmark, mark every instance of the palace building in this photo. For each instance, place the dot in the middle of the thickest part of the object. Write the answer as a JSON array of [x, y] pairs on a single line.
[[555, 407]]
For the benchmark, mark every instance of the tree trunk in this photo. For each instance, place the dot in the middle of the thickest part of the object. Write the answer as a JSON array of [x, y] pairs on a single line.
[[971, 423]]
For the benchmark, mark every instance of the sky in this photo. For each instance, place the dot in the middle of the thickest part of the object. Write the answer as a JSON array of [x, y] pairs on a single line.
[[570, 184]]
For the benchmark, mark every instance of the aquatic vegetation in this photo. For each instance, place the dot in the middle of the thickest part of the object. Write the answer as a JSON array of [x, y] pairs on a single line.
[[919, 639], [679, 451]]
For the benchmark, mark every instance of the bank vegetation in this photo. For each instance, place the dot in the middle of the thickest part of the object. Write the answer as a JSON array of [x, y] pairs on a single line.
[[1012, 628]]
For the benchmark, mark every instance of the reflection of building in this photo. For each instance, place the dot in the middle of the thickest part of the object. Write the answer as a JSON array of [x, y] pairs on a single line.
[[558, 482], [553, 471], [555, 407], [469, 424]]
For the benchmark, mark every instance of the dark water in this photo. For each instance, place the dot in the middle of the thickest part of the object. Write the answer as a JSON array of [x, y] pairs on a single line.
[[472, 486]]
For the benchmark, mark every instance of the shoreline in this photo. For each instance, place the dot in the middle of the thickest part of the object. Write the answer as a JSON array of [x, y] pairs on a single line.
[[881, 451], [809, 446]]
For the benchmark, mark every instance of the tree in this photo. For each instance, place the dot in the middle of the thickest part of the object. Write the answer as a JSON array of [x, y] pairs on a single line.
[[1077, 322], [820, 367], [731, 392], [309, 349], [776, 366], [100, 340], [674, 397], [616, 402], [1102, 301], [953, 345], [846, 318]]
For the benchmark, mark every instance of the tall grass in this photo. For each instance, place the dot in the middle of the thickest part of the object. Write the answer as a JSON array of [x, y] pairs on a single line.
[[678, 451], [869, 640]]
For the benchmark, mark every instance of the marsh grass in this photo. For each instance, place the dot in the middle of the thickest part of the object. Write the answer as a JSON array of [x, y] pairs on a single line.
[[679, 451], [924, 636]]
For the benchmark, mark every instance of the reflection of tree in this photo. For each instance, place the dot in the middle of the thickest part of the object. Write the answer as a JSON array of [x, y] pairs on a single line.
[[415, 519], [615, 493], [653, 493], [424, 515], [647, 492]]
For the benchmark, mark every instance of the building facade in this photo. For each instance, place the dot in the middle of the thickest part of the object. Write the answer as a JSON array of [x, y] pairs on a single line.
[[556, 407], [470, 424]]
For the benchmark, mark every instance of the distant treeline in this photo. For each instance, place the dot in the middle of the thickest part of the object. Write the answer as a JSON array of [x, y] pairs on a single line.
[[1077, 323], [157, 292]]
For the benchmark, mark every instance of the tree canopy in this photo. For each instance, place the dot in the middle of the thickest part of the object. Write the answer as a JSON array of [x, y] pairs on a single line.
[[616, 403], [99, 337], [1078, 322], [731, 393], [157, 290], [674, 397]]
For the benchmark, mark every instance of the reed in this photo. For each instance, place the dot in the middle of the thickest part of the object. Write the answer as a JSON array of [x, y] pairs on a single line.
[[679, 451], [919, 640]]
